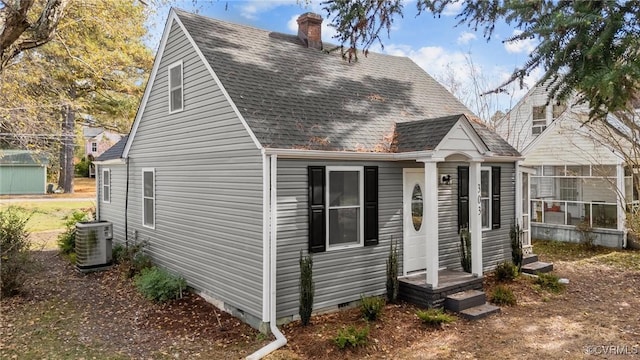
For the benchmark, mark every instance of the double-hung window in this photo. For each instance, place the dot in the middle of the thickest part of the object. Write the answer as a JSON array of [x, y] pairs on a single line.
[[148, 198], [106, 185], [343, 207], [175, 87], [539, 120], [490, 208], [344, 194]]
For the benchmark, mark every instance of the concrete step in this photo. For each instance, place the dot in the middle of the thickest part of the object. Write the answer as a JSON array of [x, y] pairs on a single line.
[[528, 259], [464, 300], [537, 267], [479, 312]]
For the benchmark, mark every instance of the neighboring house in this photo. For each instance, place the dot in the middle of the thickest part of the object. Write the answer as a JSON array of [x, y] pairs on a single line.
[[250, 149], [580, 178], [96, 141], [22, 172]]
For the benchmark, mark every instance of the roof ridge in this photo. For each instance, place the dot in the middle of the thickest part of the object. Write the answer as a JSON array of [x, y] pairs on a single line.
[[328, 44]]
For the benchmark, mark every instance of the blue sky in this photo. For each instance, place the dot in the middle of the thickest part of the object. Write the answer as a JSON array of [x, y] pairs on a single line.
[[436, 44]]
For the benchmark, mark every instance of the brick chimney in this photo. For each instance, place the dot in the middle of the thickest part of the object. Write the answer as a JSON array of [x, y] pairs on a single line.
[[309, 32]]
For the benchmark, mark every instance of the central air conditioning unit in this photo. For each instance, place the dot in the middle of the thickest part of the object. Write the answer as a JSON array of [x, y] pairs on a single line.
[[93, 245]]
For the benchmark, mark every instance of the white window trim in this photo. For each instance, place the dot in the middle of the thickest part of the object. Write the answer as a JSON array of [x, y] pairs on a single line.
[[107, 186], [94, 145], [360, 170], [153, 171], [170, 87], [490, 197]]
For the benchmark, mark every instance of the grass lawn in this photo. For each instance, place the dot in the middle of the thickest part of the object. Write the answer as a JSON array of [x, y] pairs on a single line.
[[48, 215]]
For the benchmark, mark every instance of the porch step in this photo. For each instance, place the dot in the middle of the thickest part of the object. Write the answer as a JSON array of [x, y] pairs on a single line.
[[528, 259], [479, 312], [464, 300], [537, 267]]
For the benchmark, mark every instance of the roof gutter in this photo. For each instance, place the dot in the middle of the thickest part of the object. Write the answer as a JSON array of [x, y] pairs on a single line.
[[353, 155], [280, 340], [119, 161]]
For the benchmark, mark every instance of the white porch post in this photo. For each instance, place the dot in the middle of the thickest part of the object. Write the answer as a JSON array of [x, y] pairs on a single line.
[[621, 196], [431, 223], [475, 220]]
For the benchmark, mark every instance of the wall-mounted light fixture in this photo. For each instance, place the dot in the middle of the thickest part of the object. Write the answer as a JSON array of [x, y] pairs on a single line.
[[445, 179]]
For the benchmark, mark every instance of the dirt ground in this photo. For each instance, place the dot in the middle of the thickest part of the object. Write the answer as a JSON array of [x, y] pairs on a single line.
[[102, 316]]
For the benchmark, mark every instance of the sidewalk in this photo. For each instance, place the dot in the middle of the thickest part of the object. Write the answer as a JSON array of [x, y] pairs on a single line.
[[23, 199]]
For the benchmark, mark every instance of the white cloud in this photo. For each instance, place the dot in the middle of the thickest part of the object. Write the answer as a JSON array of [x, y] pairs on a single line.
[[520, 46], [448, 66], [433, 59], [465, 38], [452, 9], [253, 8]]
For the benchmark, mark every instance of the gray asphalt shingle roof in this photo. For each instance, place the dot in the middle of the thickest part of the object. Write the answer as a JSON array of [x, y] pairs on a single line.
[[423, 134], [114, 152], [299, 98]]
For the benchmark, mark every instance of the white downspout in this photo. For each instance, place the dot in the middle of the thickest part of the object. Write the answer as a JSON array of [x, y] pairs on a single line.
[[280, 340]]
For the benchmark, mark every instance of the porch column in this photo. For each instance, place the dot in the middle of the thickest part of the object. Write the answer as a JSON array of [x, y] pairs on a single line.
[[475, 218], [431, 220], [621, 196]]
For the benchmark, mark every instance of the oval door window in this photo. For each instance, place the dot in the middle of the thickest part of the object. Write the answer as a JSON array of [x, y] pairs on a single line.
[[416, 207]]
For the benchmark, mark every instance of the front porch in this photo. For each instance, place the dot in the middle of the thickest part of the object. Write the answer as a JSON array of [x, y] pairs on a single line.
[[416, 290]]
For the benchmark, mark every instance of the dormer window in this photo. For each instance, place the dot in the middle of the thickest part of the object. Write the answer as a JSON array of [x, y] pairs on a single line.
[[175, 87], [558, 109], [539, 120]]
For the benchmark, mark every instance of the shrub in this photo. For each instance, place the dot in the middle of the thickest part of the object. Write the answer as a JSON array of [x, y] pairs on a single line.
[[434, 317], [587, 237], [465, 249], [118, 253], [351, 336], [15, 260], [517, 254], [67, 240], [506, 271], [132, 257], [82, 168], [393, 285], [371, 307], [549, 282], [306, 288], [159, 285], [502, 295]]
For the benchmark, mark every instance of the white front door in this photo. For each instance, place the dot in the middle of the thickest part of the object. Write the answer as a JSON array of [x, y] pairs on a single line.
[[415, 240]]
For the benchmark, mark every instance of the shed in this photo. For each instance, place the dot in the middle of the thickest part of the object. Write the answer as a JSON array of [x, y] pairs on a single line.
[[22, 172]]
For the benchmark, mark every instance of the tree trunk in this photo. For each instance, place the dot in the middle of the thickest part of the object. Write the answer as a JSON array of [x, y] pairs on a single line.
[[65, 180]]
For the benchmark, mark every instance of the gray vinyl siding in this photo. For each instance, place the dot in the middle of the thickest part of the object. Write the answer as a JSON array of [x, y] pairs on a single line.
[[113, 211], [208, 185], [340, 276], [496, 244]]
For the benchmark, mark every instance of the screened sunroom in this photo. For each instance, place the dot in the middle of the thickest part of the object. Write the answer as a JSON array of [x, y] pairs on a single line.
[[580, 195]]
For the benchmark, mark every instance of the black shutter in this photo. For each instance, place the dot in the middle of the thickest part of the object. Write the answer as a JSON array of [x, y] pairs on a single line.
[[370, 205], [317, 211], [495, 197], [463, 197]]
